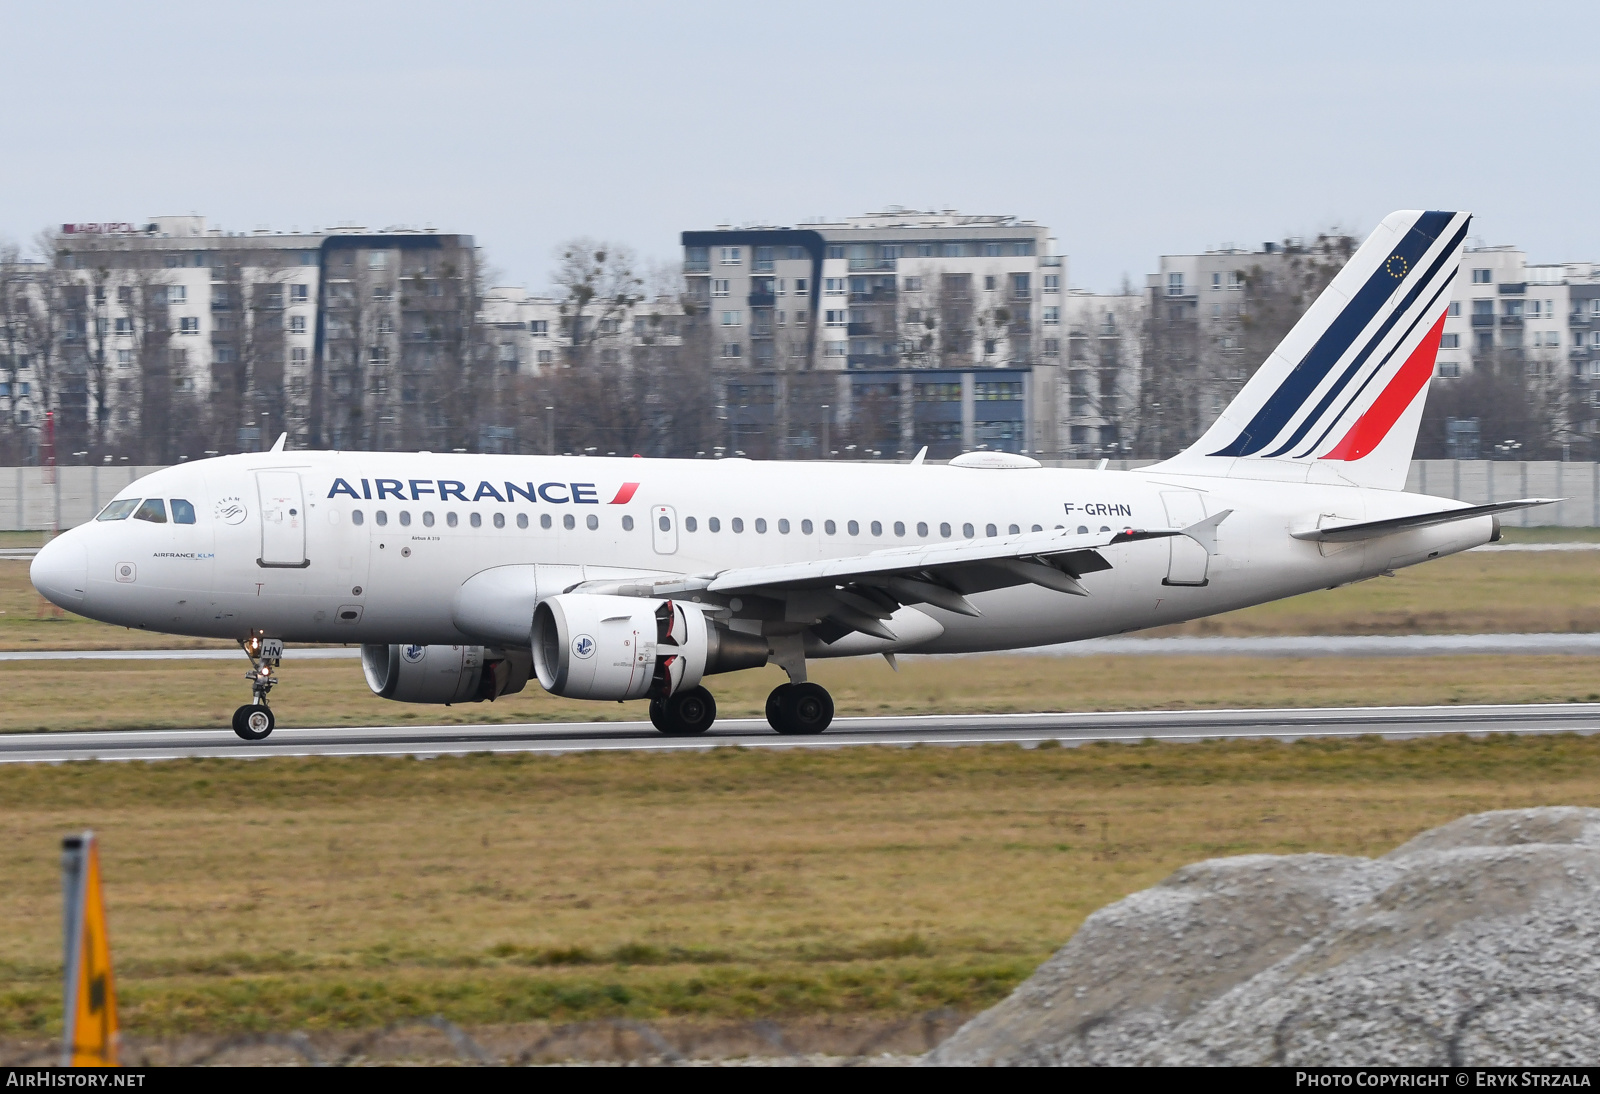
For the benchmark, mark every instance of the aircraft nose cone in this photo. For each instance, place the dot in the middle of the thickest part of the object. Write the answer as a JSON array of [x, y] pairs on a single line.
[[60, 572]]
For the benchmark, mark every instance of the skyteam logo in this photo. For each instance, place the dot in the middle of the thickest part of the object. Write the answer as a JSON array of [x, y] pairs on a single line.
[[230, 510], [583, 647], [413, 654]]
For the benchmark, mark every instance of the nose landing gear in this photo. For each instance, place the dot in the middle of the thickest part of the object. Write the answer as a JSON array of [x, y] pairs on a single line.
[[254, 720]]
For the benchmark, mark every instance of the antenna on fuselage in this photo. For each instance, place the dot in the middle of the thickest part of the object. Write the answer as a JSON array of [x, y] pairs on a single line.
[[277, 445], [916, 461]]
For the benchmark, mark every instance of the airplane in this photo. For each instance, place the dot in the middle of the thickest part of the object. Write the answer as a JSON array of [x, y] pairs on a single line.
[[610, 579]]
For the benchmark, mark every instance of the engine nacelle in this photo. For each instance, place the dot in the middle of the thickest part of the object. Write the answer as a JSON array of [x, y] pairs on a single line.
[[443, 674], [588, 646]]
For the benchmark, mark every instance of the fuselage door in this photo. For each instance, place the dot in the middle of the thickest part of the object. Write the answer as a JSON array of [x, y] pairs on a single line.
[[283, 519], [1186, 564], [664, 529]]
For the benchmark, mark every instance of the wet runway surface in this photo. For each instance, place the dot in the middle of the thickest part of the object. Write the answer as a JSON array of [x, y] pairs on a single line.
[[1022, 729]]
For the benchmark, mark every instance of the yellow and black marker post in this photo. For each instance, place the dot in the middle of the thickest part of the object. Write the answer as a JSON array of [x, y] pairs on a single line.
[[90, 1014]]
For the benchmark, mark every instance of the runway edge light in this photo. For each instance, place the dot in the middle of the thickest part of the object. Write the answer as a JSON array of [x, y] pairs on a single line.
[[89, 1016]]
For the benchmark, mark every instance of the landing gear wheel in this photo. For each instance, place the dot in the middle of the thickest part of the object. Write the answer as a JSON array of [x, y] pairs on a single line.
[[800, 709], [253, 722], [687, 714], [658, 717]]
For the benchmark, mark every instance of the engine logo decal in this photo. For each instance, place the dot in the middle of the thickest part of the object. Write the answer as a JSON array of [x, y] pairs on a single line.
[[413, 654], [583, 646]]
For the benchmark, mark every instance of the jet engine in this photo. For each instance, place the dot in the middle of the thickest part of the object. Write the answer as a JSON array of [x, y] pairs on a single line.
[[588, 646], [443, 674]]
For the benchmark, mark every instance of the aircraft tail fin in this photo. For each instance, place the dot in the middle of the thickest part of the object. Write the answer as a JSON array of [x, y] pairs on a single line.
[[1341, 397]]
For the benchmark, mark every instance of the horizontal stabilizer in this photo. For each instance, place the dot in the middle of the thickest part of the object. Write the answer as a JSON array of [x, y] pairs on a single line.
[[1372, 529]]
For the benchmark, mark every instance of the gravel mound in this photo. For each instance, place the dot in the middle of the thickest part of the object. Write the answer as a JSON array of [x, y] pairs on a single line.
[[1476, 943]]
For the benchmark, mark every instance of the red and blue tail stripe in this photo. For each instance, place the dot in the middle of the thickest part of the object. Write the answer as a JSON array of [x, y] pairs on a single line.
[[1389, 291]]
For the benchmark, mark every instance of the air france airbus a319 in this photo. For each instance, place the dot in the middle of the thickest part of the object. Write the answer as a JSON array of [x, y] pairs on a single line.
[[615, 579]]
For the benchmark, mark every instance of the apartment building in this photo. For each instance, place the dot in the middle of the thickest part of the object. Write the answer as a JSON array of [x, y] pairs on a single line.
[[342, 336], [938, 328]]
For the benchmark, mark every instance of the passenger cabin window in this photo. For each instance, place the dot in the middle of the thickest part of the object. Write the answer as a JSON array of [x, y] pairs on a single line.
[[761, 525], [405, 518], [591, 522], [922, 529], [1013, 530], [357, 517], [944, 530], [899, 527], [737, 524], [382, 517], [568, 523], [544, 521], [689, 524], [853, 527], [182, 512], [427, 519], [499, 520], [829, 527], [627, 524], [476, 520], [783, 527], [451, 519], [119, 510], [966, 530], [990, 530], [522, 520], [713, 524], [153, 510], [805, 527], [877, 528]]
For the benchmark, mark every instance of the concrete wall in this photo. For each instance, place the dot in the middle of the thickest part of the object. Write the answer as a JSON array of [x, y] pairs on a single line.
[[28, 502]]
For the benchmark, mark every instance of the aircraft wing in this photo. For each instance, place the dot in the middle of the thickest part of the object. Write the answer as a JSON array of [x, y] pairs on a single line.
[[834, 596], [1372, 529]]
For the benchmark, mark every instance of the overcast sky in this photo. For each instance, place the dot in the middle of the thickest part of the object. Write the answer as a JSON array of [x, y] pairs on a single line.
[[1132, 130]]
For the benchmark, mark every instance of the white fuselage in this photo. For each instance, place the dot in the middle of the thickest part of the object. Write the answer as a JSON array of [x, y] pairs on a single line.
[[369, 551]]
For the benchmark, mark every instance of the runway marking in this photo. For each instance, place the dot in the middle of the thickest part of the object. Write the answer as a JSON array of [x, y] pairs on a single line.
[[1028, 730]]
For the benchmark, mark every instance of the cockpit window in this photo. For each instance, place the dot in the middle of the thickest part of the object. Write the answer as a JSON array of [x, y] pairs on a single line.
[[182, 512], [153, 510], [118, 510]]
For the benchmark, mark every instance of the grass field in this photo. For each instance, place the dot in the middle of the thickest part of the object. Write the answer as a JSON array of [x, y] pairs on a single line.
[[343, 893], [1473, 593], [60, 695]]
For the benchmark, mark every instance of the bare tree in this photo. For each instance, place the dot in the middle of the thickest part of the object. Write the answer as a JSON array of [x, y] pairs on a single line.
[[1521, 403], [599, 284]]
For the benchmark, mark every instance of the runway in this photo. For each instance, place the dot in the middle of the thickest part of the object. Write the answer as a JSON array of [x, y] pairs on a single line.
[[1028, 730], [1285, 645]]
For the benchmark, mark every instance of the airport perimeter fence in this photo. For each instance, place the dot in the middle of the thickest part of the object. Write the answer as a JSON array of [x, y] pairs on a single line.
[[28, 502], [841, 1039]]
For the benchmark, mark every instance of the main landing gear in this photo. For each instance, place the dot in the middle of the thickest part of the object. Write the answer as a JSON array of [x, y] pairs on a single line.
[[687, 714], [799, 709], [254, 720], [792, 709]]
